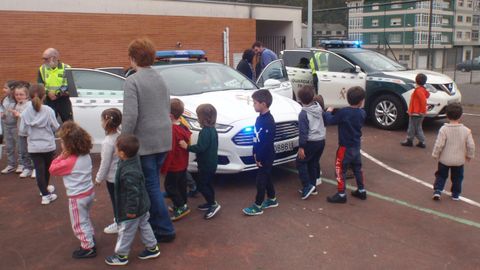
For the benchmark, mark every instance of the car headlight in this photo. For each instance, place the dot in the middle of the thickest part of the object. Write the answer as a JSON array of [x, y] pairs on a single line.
[[430, 88], [195, 125]]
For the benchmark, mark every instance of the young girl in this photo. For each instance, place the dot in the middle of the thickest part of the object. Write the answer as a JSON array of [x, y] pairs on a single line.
[[111, 120], [206, 150], [39, 124], [21, 95], [75, 165], [9, 126]]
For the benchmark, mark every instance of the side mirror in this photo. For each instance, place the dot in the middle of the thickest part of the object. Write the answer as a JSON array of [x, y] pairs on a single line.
[[271, 84], [357, 69]]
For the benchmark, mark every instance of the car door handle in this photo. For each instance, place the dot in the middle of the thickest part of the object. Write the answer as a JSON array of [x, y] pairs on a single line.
[[325, 80]]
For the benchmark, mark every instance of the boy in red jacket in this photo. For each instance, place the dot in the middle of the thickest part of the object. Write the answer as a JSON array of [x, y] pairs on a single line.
[[176, 163], [417, 110]]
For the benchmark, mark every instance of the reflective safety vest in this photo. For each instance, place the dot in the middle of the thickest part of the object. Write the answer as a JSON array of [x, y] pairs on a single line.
[[54, 78], [322, 62]]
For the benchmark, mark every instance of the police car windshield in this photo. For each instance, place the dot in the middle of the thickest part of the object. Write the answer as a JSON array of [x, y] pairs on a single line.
[[371, 61], [192, 79]]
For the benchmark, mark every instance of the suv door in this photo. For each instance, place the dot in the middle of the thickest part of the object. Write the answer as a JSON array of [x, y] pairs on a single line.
[[335, 77], [92, 91], [298, 68], [274, 78]]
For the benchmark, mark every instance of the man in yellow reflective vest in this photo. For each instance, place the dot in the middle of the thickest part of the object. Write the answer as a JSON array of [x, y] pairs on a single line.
[[52, 74], [319, 60]]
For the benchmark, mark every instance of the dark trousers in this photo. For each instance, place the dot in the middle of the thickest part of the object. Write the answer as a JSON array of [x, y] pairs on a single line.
[[62, 106], [315, 83], [205, 185], [348, 156], [111, 192], [264, 184], [42, 162], [456, 177], [176, 187], [309, 167]]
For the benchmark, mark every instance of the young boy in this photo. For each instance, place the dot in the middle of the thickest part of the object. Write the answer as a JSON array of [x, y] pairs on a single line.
[[131, 204], [453, 146], [416, 111], [350, 121], [264, 153], [176, 163], [311, 140]]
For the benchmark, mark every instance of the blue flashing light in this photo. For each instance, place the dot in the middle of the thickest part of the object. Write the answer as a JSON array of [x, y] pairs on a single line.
[[248, 129], [180, 54]]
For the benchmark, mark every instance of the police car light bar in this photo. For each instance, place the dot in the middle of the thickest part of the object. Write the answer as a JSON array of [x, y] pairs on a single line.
[[180, 54], [341, 43]]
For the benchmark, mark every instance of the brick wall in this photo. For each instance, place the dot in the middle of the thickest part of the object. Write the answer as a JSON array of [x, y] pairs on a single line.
[[100, 40]]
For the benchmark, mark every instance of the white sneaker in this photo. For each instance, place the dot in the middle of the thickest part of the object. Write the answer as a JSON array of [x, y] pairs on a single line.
[[19, 169], [34, 174], [49, 198], [8, 169], [26, 173], [111, 229], [319, 181], [50, 189]]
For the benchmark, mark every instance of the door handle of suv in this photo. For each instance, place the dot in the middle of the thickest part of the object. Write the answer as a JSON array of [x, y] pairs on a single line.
[[325, 80]]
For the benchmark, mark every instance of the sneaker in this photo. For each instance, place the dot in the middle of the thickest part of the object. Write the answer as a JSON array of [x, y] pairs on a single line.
[[50, 189], [49, 198], [269, 203], [116, 260], [26, 173], [165, 238], [407, 142], [180, 212], [149, 253], [8, 169], [421, 145], [204, 207], [253, 210], [307, 191], [455, 197], [337, 198], [19, 169], [111, 229], [319, 181], [314, 192], [84, 253], [212, 211], [34, 174], [436, 195], [362, 195]]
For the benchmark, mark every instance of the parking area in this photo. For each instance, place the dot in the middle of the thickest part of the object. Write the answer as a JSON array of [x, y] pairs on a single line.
[[398, 227]]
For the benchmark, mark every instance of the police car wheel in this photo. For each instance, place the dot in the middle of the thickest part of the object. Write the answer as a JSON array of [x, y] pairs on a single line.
[[387, 112]]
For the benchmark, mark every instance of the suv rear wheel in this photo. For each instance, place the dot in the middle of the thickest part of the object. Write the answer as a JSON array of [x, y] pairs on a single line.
[[388, 112]]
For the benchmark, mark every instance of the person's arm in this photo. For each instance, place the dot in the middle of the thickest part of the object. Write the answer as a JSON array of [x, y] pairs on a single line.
[[133, 192], [302, 129], [331, 119], [439, 143], [39, 78], [202, 144], [53, 120], [22, 128], [470, 146], [130, 107], [62, 165], [106, 156]]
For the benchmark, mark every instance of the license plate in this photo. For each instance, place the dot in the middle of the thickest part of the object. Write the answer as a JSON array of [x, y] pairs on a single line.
[[283, 147]]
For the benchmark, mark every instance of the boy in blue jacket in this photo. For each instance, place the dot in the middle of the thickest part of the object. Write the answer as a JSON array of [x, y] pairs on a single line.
[[350, 121], [264, 153]]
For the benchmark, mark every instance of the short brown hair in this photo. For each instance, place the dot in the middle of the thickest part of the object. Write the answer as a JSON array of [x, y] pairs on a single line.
[[306, 94], [207, 115], [142, 51], [421, 79], [257, 44], [128, 144], [454, 111], [355, 95], [75, 139], [112, 118], [176, 107], [263, 96]]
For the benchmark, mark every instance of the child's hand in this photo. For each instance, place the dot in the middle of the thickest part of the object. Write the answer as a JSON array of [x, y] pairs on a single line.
[[330, 109], [259, 164], [183, 144], [301, 153], [15, 113], [131, 215]]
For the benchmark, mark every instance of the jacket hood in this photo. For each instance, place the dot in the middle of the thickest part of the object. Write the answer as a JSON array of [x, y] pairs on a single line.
[[315, 110], [36, 119]]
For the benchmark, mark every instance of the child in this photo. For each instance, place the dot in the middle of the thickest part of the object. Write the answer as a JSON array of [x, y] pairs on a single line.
[[350, 121], [39, 124], [453, 146], [176, 163], [191, 185], [416, 111], [111, 120], [311, 140], [75, 165], [9, 127], [321, 102], [22, 95], [206, 150], [131, 204], [264, 153]]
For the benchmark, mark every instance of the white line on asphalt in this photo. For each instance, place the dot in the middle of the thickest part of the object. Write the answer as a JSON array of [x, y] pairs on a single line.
[[471, 114], [414, 179]]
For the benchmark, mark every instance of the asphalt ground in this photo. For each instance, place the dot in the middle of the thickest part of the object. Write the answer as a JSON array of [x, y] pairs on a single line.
[[399, 226]]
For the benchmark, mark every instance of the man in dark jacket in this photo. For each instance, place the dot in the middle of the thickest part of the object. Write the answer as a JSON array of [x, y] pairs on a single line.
[[131, 204], [245, 65]]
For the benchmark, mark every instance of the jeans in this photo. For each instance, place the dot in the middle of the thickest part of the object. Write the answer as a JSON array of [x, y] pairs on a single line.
[[159, 217], [348, 157], [205, 185], [42, 162], [441, 177], [415, 128], [264, 184], [309, 167]]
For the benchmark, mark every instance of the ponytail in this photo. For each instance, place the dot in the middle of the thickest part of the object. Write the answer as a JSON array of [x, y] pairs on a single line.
[[37, 95]]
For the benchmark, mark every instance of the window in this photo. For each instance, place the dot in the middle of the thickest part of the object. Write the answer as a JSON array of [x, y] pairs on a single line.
[[97, 84], [469, 3], [328, 32], [394, 38], [275, 70], [459, 35], [467, 35], [339, 33], [396, 6], [445, 21], [374, 39], [375, 22], [445, 39], [404, 57], [474, 35], [396, 21], [476, 20], [297, 59], [355, 23], [355, 36], [459, 18], [375, 7], [421, 37], [468, 19], [337, 64], [460, 3]]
